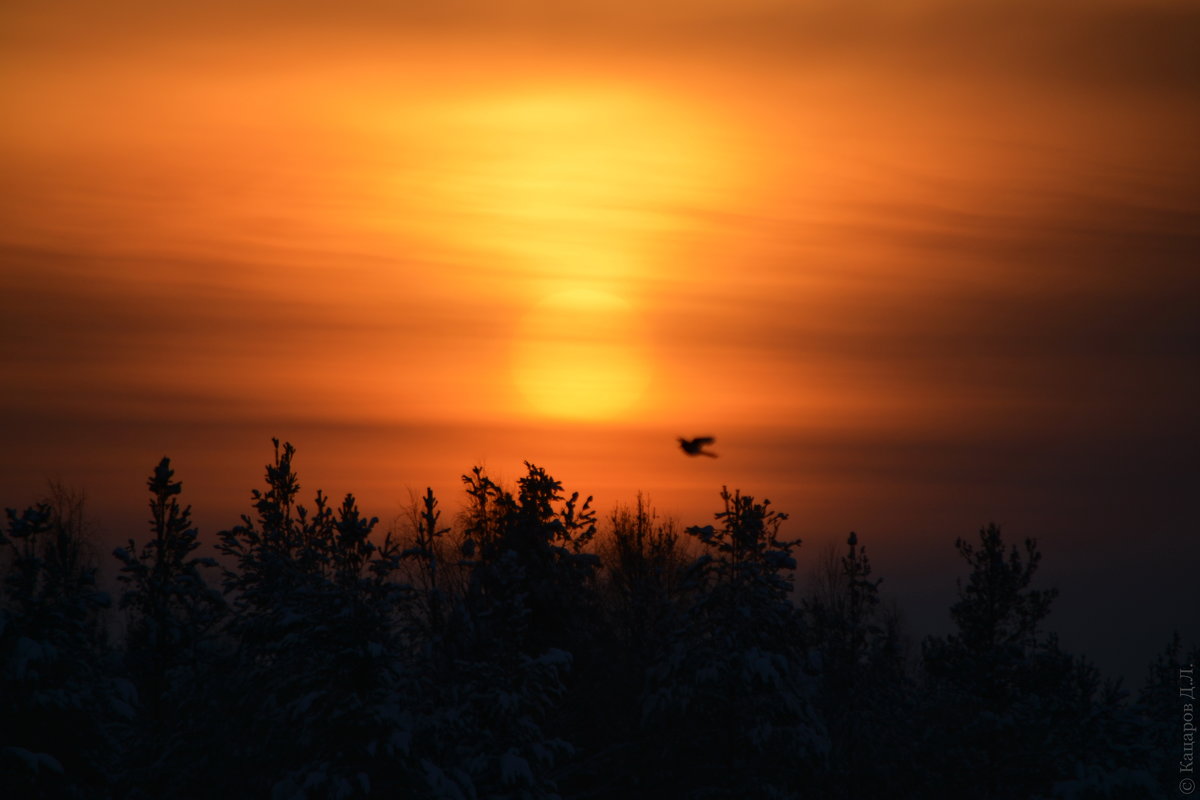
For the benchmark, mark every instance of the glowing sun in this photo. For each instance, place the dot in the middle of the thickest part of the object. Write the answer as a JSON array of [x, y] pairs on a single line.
[[580, 354]]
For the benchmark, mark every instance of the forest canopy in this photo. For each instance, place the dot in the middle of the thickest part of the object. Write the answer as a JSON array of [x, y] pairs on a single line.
[[530, 648]]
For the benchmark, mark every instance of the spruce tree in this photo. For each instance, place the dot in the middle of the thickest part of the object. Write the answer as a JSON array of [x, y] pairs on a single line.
[[62, 707], [172, 608], [319, 654], [170, 647], [1005, 705], [732, 696], [865, 691], [523, 617]]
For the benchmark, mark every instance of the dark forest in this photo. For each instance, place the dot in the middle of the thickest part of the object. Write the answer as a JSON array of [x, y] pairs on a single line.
[[531, 648]]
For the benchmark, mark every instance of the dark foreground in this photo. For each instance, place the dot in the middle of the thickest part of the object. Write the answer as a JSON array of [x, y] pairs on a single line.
[[508, 655]]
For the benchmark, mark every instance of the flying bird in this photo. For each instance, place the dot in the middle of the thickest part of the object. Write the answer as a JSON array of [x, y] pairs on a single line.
[[695, 447]]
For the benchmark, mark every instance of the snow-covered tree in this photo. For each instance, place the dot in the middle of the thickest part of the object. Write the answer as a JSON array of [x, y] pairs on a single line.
[[481, 727], [60, 704], [530, 572], [170, 651], [1005, 706], [1155, 739], [429, 553], [171, 606], [321, 676], [641, 590], [513, 639], [865, 692], [733, 692], [644, 567]]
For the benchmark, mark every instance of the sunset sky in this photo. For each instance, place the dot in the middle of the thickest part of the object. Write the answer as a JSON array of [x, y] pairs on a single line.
[[917, 266]]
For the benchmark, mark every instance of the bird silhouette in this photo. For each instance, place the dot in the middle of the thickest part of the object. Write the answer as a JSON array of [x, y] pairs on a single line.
[[695, 447]]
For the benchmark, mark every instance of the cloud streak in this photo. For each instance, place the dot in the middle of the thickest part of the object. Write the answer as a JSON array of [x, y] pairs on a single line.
[[930, 256]]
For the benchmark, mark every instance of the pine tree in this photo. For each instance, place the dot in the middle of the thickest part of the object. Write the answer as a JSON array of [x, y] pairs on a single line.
[[319, 654], [641, 593], [1005, 705], [524, 616], [644, 565], [530, 573], [1158, 711], [170, 649], [61, 706], [172, 608], [865, 692], [732, 696], [429, 553]]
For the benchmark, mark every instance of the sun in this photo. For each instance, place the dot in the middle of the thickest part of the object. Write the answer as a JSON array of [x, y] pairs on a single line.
[[580, 354]]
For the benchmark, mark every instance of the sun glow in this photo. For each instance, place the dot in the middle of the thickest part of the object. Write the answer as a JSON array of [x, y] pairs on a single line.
[[554, 211], [576, 198], [580, 354], [575, 185]]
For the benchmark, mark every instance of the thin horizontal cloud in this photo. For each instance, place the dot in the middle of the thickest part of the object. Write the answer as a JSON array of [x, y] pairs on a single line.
[[915, 265], [1132, 48]]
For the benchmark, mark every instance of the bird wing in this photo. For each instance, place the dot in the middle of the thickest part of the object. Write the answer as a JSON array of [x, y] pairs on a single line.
[[701, 441]]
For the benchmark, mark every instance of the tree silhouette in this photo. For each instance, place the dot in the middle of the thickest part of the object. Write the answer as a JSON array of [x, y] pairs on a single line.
[[60, 707], [1006, 704], [640, 594], [1155, 741], [428, 551], [644, 566], [530, 570], [319, 655], [524, 620], [172, 609], [866, 695], [733, 687], [497, 656], [169, 648]]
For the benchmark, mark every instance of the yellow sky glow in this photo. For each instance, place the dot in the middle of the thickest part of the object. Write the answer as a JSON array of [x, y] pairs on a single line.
[[916, 264], [580, 353], [811, 223]]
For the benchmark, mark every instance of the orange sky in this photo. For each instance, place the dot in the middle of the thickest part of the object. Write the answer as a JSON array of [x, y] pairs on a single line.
[[916, 265]]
